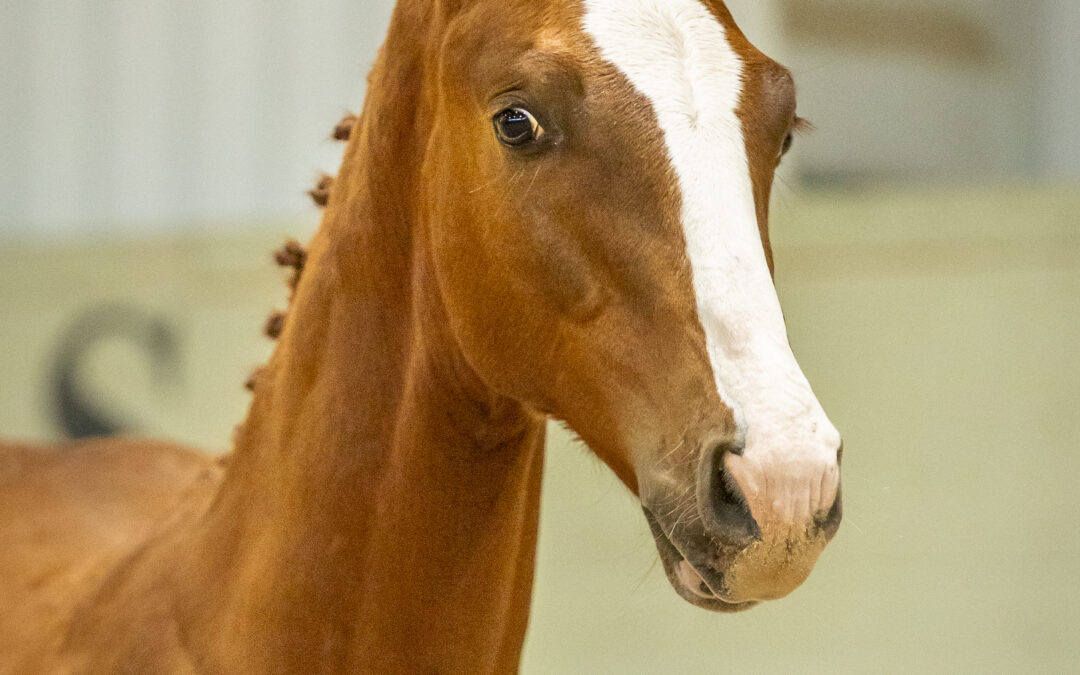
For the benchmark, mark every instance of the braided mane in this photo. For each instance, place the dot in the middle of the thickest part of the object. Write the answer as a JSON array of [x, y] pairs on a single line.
[[292, 255]]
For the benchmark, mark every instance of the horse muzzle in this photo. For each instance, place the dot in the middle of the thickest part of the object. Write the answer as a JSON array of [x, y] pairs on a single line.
[[722, 550]]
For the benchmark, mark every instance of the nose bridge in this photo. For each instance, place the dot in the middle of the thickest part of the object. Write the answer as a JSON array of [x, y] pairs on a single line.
[[787, 471], [696, 82]]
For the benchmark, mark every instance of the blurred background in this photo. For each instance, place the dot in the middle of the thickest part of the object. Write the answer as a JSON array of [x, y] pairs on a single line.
[[928, 254]]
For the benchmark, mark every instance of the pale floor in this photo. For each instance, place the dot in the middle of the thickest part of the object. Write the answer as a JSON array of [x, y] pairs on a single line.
[[940, 331]]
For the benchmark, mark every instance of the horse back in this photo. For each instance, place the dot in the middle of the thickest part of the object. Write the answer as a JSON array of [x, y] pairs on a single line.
[[69, 514]]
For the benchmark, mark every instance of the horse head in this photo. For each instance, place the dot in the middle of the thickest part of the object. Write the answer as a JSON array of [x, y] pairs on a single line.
[[595, 181]]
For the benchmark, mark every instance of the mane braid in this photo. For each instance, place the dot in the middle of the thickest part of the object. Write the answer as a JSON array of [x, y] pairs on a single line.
[[292, 255], [321, 192], [253, 379], [343, 130], [274, 325]]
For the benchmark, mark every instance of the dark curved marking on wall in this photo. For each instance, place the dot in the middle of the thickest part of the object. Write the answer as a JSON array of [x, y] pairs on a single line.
[[75, 411]]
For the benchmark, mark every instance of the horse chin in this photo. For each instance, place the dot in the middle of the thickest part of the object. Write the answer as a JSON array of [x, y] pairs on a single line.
[[685, 578]]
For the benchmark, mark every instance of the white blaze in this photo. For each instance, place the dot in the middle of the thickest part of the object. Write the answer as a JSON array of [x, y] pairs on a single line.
[[677, 55]]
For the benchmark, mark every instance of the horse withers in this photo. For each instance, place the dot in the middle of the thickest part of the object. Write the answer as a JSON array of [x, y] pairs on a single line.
[[548, 209]]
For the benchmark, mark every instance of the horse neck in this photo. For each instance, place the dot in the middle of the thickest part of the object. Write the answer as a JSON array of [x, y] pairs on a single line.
[[382, 503]]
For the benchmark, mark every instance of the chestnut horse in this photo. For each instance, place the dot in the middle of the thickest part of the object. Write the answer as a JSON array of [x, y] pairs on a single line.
[[548, 209]]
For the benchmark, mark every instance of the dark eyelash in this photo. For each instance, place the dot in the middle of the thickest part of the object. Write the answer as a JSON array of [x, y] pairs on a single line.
[[802, 126]]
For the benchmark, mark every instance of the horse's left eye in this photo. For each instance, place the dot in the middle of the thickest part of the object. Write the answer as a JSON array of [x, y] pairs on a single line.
[[515, 127]]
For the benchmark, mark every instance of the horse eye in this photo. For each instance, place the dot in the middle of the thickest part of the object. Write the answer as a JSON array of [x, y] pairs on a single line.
[[515, 127], [788, 141]]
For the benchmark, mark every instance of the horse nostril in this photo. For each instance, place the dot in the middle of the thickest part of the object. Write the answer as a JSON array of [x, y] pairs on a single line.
[[831, 521], [725, 511]]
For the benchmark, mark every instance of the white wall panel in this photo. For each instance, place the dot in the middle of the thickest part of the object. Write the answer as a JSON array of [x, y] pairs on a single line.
[[120, 115], [125, 115]]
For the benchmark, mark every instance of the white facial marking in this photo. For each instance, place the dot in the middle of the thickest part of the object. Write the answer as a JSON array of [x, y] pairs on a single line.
[[677, 55]]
